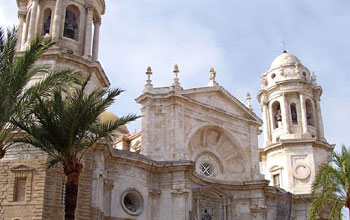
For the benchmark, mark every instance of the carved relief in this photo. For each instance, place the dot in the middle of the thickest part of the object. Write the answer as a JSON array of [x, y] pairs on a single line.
[[301, 170], [216, 146]]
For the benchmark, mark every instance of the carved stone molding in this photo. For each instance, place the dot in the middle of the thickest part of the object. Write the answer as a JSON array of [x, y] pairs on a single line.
[[180, 192], [108, 184], [154, 193]]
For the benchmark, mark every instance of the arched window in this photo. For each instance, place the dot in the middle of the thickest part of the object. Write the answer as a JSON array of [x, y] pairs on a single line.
[[309, 113], [276, 114], [293, 113], [71, 24], [47, 21]]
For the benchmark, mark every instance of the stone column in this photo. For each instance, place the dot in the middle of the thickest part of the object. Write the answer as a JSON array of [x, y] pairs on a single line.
[[33, 15], [285, 115], [21, 18], [198, 211], [267, 131], [179, 199], [319, 122], [37, 20], [225, 209], [97, 25], [154, 195], [57, 21], [229, 209], [88, 31], [303, 114]]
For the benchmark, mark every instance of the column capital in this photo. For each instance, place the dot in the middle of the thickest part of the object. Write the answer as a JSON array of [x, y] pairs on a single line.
[[97, 21], [22, 14], [89, 5], [154, 193]]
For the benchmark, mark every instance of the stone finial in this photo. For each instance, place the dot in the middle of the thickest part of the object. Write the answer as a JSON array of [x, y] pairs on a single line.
[[248, 98], [176, 78], [212, 81], [212, 74], [297, 68], [148, 85], [264, 82], [149, 73], [281, 71], [313, 78]]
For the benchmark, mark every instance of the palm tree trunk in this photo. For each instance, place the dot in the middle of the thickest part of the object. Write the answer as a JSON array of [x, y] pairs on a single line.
[[72, 169], [2, 152], [71, 197]]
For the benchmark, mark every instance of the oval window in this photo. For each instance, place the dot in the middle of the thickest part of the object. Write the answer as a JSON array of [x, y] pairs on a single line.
[[132, 202]]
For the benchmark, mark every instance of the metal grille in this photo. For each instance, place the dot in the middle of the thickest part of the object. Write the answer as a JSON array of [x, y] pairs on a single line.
[[207, 169]]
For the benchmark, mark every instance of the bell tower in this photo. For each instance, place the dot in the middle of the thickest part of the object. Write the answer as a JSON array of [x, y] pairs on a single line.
[[294, 142], [73, 24]]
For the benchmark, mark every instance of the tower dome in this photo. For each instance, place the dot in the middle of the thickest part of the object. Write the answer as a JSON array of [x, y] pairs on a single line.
[[285, 67], [285, 59], [108, 116]]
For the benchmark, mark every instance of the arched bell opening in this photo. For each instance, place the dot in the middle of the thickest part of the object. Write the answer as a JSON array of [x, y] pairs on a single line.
[[276, 114], [309, 113], [294, 114], [47, 19], [71, 23]]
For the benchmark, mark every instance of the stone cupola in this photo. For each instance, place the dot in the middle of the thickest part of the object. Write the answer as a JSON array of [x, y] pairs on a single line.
[[285, 67], [290, 101], [294, 142]]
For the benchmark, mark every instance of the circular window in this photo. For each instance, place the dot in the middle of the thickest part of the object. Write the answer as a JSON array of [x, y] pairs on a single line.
[[132, 202], [207, 169]]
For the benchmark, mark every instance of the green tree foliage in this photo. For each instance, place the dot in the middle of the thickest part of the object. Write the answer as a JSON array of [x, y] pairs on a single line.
[[16, 70], [331, 189], [66, 126]]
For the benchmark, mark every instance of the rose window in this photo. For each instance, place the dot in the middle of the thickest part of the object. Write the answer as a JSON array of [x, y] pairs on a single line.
[[207, 169]]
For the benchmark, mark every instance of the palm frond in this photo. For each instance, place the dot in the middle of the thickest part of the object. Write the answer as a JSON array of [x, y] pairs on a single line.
[[67, 124], [331, 186]]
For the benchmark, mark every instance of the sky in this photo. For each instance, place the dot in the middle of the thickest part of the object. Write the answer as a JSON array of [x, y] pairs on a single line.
[[239, 39]]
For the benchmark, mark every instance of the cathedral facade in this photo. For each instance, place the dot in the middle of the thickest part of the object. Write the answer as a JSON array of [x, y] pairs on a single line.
[[196, 156]]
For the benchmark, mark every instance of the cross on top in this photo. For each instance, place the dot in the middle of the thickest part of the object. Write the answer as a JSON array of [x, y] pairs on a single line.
[[284, 46]]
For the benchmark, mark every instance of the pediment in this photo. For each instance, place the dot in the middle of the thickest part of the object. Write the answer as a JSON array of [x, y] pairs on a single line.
[[211, 192], [218, 98], [22, 168]]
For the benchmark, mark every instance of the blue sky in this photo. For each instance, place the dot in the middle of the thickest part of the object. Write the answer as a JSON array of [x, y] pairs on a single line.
[[238, 38]]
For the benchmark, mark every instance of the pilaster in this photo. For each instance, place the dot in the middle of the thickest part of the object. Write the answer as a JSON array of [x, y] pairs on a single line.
[[88, 31], [285, 116], [21, 19], [57, 20], [32, 23], [97, 25], [303, 114]]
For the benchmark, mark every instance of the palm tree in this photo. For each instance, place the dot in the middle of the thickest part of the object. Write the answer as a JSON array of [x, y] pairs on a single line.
[[331, 188], [15, 73], [66, 126]]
